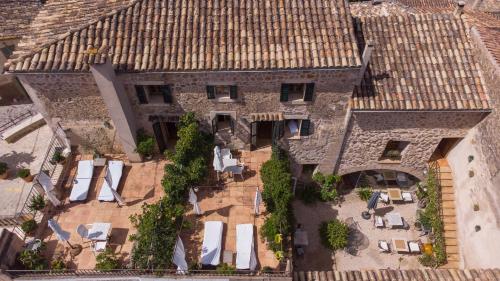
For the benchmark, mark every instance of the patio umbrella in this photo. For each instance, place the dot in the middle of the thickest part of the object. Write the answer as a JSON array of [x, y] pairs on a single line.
[[257, 201], [46, 182], [179, 257], [218, 165], [193, 199], [372, 203], [109, 179]]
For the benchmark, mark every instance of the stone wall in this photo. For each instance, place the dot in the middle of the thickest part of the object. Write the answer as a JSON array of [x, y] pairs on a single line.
[[258, 92], [75, 101], [368, 134]]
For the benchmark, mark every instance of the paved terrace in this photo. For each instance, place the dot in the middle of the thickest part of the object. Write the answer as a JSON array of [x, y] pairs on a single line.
[[232, 204]]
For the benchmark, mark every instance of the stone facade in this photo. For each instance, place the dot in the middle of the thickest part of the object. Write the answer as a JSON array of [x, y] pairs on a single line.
[[369, 132], [258, 92]]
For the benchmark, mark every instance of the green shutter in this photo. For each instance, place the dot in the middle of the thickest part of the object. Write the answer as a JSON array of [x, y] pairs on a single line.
[[141, 94], [167, 93], [285, 88], [309, 92], [211, 92], [233, 92], [304, 127]]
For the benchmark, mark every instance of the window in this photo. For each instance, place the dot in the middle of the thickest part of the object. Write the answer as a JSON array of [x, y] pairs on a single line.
[[393, 150], [296, 128], [154, 93], [297, 92], [222, 122], [222, 92]]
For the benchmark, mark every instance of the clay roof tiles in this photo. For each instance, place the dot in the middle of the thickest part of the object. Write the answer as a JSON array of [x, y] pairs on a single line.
[[191, 35], [15, 17], [419, 62]]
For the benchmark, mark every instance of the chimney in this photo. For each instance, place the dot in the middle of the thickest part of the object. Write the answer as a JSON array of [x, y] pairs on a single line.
[[459, 10], [367, 53]]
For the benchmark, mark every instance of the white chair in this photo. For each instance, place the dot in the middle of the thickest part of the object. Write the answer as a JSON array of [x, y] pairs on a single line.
[[407, 196], [99, 246], [384, 198], [379, 222], [383, 246], [83, 230], [226, 153]]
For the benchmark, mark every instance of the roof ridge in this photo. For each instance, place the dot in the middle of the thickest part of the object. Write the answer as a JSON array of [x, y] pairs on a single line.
[[69, 33]]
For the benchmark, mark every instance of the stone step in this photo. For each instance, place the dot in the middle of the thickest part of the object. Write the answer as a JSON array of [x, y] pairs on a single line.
[[450, 234], [446, 176], [449, 220], [450, 226], [447, 190], [448, 205], [447, 197], [450, 265], [446, 183], [452, 257], [449, 212], [450, 242], [451, 250], [444, 169]]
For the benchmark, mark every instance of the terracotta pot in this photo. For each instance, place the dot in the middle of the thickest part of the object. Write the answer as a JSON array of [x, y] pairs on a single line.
[[29, 178], [4, 175]]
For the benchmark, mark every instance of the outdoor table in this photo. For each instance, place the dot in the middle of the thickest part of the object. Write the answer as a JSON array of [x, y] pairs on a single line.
[[394, 219], [300, 238], [226, 153], [99, 231], [400, 245], [227, 163], [395, 194]]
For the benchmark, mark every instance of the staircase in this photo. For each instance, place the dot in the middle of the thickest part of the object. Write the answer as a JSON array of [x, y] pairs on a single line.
[[449, 214]]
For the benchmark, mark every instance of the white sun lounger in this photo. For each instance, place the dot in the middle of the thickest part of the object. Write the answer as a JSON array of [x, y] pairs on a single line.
[[212, 243], [245, 252], [82, 180], [116, 168]]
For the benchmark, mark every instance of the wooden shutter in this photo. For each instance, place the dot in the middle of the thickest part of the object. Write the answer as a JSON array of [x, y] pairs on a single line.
[[211, 92], [141, 94], [214, 125], [231, 124], [167, 93], [285, 89], [304, 127], [308, 96], [233, 92]]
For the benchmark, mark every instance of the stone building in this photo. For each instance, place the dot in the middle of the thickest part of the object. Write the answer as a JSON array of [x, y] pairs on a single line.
[[339, 93]]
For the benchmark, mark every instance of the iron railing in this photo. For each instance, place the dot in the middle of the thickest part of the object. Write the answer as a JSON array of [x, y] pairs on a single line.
[[14, 121], [139, 272]]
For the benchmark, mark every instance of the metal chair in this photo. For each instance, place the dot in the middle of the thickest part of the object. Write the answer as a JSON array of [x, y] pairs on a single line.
[[239, 170]]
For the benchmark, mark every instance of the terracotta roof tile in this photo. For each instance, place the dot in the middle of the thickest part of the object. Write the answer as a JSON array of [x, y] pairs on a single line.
[[419, 62], [189, 35], [15, 17]]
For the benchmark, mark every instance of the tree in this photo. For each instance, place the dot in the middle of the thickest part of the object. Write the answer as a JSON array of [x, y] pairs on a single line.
[[334, 234]]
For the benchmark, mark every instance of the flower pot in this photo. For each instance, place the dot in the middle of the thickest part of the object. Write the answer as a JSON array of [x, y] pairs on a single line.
[[4, 175], [28, 178]]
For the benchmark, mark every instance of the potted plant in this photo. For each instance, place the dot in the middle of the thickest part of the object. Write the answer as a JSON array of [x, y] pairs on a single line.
[[37, 203], [4, 170], [145, 145], [25, 174], [29, 226], [57, 157]]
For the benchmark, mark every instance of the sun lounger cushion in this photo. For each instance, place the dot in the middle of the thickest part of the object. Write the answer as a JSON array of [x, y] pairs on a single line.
[[115, 168], [82, 181], [245, 252], [212, 243]]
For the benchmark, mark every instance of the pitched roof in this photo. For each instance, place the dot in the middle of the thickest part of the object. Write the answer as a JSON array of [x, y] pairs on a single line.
[[419, 62], [15, 16], [174, 35]]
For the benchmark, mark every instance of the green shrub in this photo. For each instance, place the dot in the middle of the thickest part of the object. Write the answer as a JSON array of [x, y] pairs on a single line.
[[107, 260], [328, 185], [328, 194], [23, 173], [145, 145], [3, 167], [32, 260], [421, 192], [308, 195], [267, 269], [29, 226], [269, 230], [58, 265], [37, 203], [365, 193], [334, 234], [57, 157], [225, 269], [428, 260]]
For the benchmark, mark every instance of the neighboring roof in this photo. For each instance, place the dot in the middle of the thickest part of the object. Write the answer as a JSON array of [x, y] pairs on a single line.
[[191, 35], [488, 26], [419, 62], [15, 17]]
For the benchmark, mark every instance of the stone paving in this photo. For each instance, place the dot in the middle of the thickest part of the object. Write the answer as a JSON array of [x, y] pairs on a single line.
[[140, 183], [232, 204], [27, 152]]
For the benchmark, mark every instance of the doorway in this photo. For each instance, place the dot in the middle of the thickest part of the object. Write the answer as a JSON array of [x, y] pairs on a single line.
[[266, 133], [165, 134], [444, 147]]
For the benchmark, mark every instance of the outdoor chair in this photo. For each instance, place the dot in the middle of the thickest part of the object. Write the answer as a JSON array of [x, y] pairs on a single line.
[[384, 198], [99, 246], [379, 222], [407, 197], [239, 170], [83, 230], [383, 246], [226, 153], [414, 247]]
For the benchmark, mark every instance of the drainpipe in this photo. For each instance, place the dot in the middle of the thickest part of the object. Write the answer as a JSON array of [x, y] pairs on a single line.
[[367, 53], [459, 10]]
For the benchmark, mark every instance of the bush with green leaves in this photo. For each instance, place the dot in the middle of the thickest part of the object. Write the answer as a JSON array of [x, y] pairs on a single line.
[[23, 173], [365, 193], [58, 265], [32, 260], [421, 191], [334, 234], [225, 269], [308, 195], [29, 226], [37, 203], [328, 185], [107, 260], [3, 168], [428, 260], [145, 144], [57, 157]]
